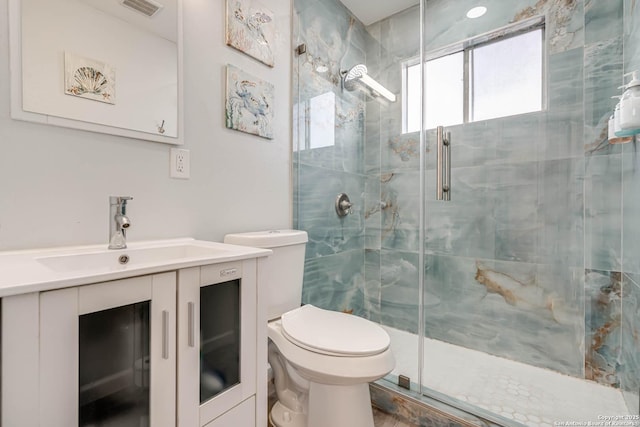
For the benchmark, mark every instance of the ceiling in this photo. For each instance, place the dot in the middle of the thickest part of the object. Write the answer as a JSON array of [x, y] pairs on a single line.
[[368, 11], [164, 23]]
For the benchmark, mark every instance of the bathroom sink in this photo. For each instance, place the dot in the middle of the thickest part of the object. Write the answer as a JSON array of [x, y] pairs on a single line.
[[36, 270], [128, 258]]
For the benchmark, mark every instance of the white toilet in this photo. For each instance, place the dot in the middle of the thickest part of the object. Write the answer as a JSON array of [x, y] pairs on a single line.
[[322, 360]]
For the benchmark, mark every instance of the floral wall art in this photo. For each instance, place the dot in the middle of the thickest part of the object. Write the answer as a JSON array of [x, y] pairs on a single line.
[[249, 103], [251, 29], [89, 78]]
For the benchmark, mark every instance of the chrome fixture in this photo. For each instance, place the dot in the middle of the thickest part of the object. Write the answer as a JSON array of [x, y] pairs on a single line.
[[358, 74], [443, 172], [343, 205], [118, 221], [404, 382]]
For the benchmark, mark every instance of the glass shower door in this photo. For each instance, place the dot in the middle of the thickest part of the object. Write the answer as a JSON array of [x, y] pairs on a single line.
[[503, 256], [522, 273], [520, 280]]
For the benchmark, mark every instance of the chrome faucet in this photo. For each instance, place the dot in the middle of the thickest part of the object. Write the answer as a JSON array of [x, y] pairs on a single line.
[[118, 221]]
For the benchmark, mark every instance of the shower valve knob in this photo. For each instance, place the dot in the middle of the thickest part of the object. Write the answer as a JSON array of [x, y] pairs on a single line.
[[343, 205]]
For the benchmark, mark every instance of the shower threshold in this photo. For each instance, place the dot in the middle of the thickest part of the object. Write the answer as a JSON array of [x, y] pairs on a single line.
[[515, 391]]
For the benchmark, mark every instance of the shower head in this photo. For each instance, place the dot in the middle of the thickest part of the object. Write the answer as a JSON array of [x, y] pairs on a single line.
[[351, 77], [359, 74]]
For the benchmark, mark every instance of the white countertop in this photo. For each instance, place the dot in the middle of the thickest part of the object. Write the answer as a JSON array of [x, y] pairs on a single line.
[[38, 270]]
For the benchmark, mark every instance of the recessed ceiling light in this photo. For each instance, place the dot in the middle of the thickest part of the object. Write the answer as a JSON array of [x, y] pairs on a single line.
[[476, 12]]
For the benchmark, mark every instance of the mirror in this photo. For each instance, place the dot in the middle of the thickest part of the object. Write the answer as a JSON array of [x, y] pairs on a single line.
[[110, 66]]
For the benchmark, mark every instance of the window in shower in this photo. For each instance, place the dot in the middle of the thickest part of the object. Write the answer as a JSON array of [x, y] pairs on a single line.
[[480, 79], [506, 77]]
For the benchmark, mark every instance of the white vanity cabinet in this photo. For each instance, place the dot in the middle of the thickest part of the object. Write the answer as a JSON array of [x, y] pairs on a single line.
[[241, 415], [175, 348], [107, 353], [216, 340]]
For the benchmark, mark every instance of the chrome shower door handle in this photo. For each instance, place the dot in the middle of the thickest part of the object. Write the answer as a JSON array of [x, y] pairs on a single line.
[[440, 154], [443, 168], [446, 185]]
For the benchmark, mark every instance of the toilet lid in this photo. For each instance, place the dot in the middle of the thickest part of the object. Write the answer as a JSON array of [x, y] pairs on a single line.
[[333, 333]]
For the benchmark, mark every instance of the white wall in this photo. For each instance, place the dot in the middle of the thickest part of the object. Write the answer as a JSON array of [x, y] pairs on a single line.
[[55, 182]]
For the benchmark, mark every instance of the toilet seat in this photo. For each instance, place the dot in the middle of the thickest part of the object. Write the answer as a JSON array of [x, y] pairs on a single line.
[[329, 369], [333, 333]]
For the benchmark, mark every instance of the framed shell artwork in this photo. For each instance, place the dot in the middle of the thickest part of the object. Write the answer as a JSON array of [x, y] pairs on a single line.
[[89, 78]]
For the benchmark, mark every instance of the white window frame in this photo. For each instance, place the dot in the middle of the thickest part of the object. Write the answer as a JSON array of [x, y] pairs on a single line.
[[466, 46]]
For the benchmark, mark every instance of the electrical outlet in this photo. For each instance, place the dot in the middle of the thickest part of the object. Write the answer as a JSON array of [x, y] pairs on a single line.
[[179, 167]]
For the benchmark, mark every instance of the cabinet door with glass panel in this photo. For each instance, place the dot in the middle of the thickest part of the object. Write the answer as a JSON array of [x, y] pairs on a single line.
[[107, 354], [216, 340]]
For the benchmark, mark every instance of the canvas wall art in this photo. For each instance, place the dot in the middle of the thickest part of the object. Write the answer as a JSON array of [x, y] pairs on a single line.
[[251, 29], [249, 103], [89, 78]]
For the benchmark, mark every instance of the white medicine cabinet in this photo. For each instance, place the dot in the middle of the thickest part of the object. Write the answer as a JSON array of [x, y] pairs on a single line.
[[176, 348]]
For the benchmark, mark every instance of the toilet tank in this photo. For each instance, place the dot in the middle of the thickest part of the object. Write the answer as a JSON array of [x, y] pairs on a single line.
[[284, 269]]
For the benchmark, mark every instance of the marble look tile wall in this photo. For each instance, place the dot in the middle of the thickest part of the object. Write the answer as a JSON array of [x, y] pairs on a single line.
[[603, 71], [631, 35], [334, 276], [603, 196], [630, 347], [606, 203], [630, 329], [509, 248], [533, 234], [604, 316], [329, 155], [505, 308], [630, 157]]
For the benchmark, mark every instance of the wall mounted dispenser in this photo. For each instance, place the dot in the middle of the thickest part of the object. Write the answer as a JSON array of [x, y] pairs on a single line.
[[630, 107]]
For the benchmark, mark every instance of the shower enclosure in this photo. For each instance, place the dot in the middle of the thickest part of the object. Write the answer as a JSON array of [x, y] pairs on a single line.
[[518, 299]]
